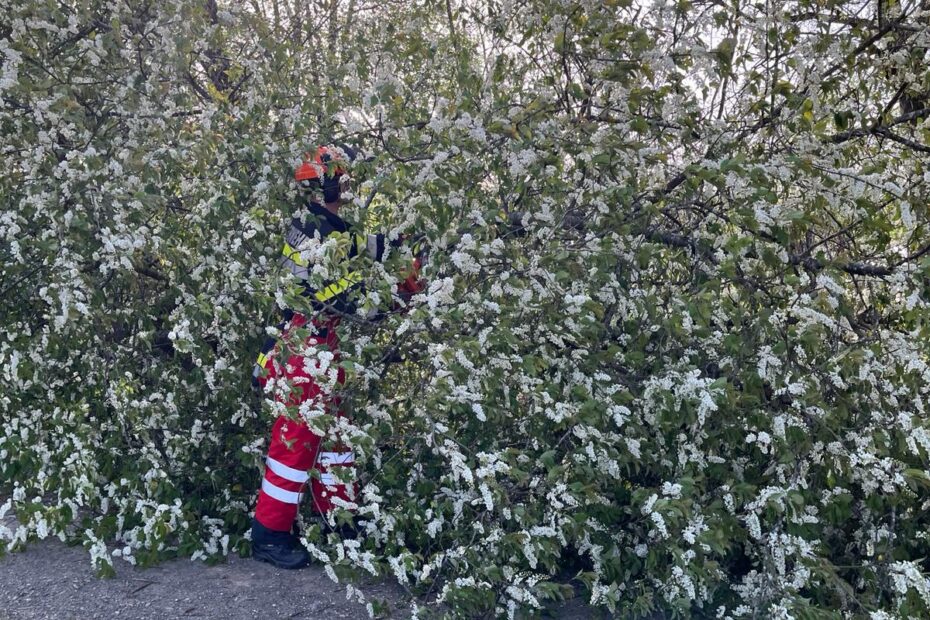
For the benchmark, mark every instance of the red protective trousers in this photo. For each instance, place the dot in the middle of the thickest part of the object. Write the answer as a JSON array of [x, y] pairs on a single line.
[[295, 449]]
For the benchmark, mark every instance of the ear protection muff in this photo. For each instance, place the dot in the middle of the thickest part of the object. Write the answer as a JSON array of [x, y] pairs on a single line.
[[331, 189]]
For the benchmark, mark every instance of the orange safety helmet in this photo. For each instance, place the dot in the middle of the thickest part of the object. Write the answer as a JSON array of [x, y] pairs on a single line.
[[320, 171]]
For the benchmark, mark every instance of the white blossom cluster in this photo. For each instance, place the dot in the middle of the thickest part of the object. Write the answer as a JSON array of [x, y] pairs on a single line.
[[672, 346]]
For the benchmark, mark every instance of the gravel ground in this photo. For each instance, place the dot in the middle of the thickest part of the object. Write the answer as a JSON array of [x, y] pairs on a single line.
[[52, 580]]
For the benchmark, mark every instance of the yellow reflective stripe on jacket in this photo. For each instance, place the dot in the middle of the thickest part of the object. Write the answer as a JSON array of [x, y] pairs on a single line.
[[299, 267], [294, 255], [262, 358], [338, 286]]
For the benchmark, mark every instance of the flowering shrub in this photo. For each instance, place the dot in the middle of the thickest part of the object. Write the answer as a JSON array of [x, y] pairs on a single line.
[[674, 347]]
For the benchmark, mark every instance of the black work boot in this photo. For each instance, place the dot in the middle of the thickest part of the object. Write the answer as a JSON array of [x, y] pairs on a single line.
[[281, 549]]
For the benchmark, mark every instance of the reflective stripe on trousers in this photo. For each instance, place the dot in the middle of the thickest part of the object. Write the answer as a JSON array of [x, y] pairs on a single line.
[[293, 450]]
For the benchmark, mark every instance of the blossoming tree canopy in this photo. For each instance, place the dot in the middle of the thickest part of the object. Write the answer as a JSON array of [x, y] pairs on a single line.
[[673, 353]]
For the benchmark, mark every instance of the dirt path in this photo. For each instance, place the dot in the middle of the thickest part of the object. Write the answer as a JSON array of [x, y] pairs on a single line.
[[51, 580]]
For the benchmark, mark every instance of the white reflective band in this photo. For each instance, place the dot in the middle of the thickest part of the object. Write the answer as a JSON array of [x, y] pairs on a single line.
[[373, 246], [288, 473], [330, 480], [288, 497], [301, 272], [337, 458], [295, 238]]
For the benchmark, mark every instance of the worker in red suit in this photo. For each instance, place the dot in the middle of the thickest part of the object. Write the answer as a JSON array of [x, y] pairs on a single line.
[[305, 380]]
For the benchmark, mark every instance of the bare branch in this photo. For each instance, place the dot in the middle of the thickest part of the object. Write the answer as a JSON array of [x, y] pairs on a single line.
[[917, 146], [866, 131]]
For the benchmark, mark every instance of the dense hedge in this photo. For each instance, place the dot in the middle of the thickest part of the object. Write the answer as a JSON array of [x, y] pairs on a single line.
[[674, 347]]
